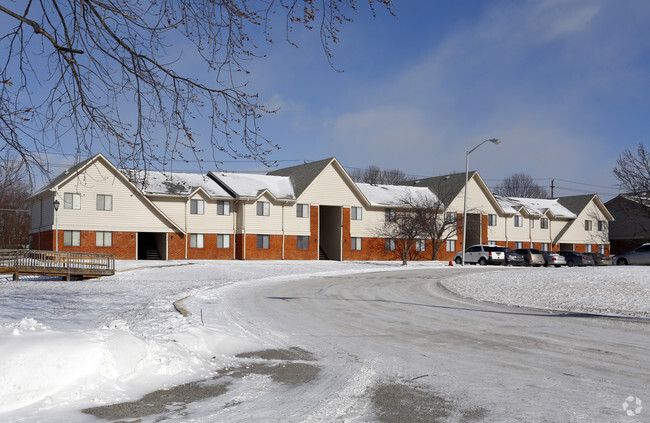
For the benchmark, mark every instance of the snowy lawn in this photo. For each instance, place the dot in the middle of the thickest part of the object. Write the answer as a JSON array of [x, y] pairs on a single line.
[[69, 345]]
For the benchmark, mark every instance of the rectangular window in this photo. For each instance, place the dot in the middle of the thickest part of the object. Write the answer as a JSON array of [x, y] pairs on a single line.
[[544, 246], [451, 245], [518, 245], [72, 238], [355, 213], [587, 225], [532, 223], [263, 208], [601, 248], [519, 221], [420, 244], [104, 202], [389, 215], [303, 242], [223, 208], [104, 239], [356, 243], [450, 217], [302, 210], [543, 223], [71, 201], [263, 241], [390, 244], [223, 241], [587, 248], [492, 243], [196, 207], [196, 240], [492, 219], [602, 225]]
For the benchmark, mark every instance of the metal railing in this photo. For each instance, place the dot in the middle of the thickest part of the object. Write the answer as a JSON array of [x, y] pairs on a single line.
[[56, 263]]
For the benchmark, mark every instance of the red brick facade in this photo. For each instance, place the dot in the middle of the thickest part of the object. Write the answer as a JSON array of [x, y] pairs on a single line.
[[123, 244]]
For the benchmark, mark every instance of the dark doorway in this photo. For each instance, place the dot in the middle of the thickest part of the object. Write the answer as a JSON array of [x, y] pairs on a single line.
[[473, 229], [329, 226], [152, 246], [566, 247]]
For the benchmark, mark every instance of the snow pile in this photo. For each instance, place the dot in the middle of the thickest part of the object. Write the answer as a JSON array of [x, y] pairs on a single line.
[[616, 290]]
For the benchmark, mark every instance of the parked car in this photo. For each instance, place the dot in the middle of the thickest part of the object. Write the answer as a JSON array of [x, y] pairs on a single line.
[[482, 254], [532, 256], [512, 258], [574, 258], [551, 258], [600, 259], [640, 255]]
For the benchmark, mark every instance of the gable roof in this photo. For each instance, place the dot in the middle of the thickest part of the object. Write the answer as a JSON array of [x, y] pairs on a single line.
[[577, 203], [302, 176], [446, 187], [183, 184], [69, 173], [534, 206], [395, 195], [252, 186]]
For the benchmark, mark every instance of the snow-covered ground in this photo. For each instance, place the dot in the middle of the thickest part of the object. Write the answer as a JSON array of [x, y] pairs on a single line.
[[65, 346]]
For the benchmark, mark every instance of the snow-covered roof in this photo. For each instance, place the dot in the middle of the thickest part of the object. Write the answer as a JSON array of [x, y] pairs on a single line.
[[251, 185], [158, 183], [534, 206], [395, 195]]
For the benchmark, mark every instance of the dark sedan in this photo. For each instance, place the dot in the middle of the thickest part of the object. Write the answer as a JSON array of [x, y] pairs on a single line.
[[600, 259], [574, 258]]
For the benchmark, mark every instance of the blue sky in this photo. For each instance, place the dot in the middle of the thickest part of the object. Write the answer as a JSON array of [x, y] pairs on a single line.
[[563, 84]]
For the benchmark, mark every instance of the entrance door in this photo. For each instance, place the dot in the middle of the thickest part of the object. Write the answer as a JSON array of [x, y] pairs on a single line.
[[152, 246], [473, 229], [330, 227]]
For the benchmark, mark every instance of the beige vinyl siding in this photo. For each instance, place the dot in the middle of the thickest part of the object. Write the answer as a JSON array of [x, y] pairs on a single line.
[[173, 207], [271, 224], [537, 234], [477, 200], [577, 234], [130, 212], [330, 189], [208, 222], [372, 223], [294, 225]]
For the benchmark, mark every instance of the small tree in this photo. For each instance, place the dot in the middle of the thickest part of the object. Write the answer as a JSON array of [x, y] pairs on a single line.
[[402, 228], [520, 185], [14, 216], [633, 172]]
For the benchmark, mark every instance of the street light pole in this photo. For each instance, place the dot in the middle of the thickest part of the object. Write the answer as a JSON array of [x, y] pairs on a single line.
[[493, 141], [56, 224]]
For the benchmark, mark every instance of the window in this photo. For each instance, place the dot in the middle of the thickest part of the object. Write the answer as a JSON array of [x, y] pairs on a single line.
[[223, 241], [602, 225], [450, 217], [451, 245], [263, 208], [519, 245], [72, 238], [223, 208], [356, 243], [587, 225], [492, 243], [420, 244], [545, 246], [303, 242], [104, 239], [389, 214], [71, 201], [104, 202], [543, 223], [196, 207], [532, 223], [492, 219], [263, 241], [302, 210], [587, 248], [196, 240], [390, 244], [355, 213], [519, 221], [602, 248]]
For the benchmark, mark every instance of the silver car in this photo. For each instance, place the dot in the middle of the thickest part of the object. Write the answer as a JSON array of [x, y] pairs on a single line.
[[482, 254], [551, 258], [532, 256], [640, 255]]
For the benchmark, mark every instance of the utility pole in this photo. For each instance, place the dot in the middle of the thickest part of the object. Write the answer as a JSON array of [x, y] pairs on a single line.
[[552, 188]]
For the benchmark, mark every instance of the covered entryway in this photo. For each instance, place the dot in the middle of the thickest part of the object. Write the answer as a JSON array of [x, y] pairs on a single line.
[[473, 229], [566, 247], [330, 227], [152, 246]]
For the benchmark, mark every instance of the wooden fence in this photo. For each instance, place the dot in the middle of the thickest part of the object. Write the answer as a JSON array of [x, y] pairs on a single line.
[[53, 263]]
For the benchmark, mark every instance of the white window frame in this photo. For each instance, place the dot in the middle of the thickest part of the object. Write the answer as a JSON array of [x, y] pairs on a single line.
[[420, 245], [390, 244], [356, 213], [451, 245], [492, 219], [543, 223], [264, 241], [103, 239], [302, 210], [263, 208], [588, 225], [492, 243], [532, 223], [104, 202], [602, 248], [72, 200], [223, 207], [545, 246], [588, 248], [302, 242], [223, 240], [197, 207], [196, 241], [518, 245], [72, 238], [356, 243], [602, 226], [389, 214], [519, 221]]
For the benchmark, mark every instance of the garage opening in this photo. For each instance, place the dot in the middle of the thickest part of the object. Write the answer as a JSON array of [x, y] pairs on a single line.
[[329, 226], [152, 246]]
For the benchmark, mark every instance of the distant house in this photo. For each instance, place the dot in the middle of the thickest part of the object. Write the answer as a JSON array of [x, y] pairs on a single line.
[[306, 212], [632, 225]]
